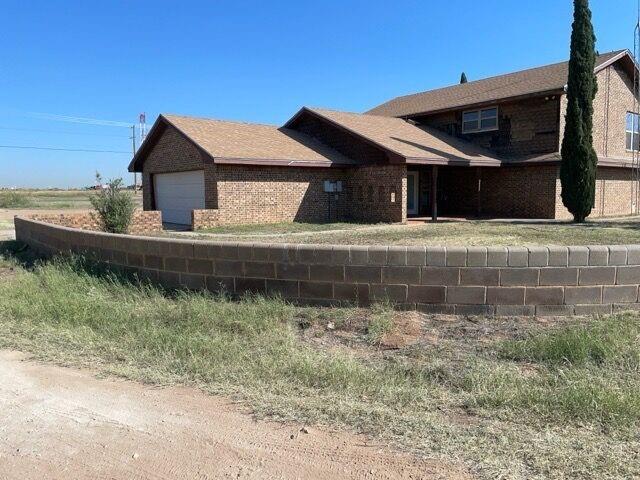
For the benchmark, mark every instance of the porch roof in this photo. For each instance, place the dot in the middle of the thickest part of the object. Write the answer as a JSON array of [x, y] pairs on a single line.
[[403, 140]]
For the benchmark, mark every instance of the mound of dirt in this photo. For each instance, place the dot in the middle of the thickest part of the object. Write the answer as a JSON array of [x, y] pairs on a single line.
[[406, 330]]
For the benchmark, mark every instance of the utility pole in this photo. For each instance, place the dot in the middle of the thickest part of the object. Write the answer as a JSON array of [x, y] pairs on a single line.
[[133, 146]]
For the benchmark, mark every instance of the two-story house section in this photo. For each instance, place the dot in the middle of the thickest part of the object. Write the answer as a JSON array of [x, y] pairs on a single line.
[[520, 118]]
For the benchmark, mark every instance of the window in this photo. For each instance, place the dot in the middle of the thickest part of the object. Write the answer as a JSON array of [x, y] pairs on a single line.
[[633, 131], [480, 120]]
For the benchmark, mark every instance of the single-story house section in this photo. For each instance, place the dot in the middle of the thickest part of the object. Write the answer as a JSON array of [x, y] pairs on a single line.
[[487, 148]]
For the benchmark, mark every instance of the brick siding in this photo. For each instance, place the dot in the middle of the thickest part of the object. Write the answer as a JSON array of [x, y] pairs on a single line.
[[378, 193], [614, 194], [251, 194], [143, 221], [519, 192], [613, 100], [526, 127], [457, 280], [338, 139]]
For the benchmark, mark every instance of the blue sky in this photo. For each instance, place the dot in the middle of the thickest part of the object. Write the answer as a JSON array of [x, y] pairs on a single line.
[[243, 60]]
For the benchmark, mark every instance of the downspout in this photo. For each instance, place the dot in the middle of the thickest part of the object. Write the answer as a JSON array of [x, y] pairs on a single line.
[[607, 101]]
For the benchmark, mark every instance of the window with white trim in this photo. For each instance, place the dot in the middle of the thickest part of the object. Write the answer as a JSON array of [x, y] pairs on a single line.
[[480, 120], [632, 131]]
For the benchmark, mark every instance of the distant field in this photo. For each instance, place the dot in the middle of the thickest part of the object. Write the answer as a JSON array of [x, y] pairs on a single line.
[[47, 199]]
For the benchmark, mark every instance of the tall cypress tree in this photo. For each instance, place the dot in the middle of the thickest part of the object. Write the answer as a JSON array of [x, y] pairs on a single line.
[[579, 160], [463, 78]]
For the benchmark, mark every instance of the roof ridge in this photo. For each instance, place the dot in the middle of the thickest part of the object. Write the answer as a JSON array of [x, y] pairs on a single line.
[[360, 114], [336, 111], [616, 52], [218, 120]]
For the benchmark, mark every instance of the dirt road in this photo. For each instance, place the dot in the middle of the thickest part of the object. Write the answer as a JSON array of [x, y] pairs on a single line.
[[62, 423]]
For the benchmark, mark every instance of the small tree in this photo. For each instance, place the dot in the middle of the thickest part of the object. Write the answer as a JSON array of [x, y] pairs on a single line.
[[579, 160], [113, 205], [463, 78]]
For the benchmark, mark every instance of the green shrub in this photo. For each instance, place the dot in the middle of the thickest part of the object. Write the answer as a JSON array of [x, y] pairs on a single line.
[[114, 206], [11, 199]]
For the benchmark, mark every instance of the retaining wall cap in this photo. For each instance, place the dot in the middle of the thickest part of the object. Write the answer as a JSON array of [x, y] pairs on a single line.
[[457, 250]]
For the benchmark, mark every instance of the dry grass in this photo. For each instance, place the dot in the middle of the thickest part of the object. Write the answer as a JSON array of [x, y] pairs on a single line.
[[509, 398], [49, 199], [481, 233]]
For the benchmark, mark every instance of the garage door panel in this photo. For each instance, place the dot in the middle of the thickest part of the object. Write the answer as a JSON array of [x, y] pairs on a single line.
[[177, 194]]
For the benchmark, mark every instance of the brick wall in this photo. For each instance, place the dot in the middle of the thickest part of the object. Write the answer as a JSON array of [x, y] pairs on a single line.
[[526, 127], [143, 221], [519, 192], [456, 280], [250, 194], [205, 218], [613, 194], [377, 193], [613, 100], [338, 139]]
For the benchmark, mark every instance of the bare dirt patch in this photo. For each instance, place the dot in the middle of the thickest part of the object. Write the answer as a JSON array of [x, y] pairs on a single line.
[[63, 423], [406, 330], [6, 272]]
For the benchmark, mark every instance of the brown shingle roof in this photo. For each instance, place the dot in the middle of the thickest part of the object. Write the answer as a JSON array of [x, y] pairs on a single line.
[[236, 140], [526, 82], [415, 144], [248, 143]]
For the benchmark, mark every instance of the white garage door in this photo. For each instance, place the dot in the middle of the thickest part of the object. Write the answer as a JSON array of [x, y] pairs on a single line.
[[177, 194]]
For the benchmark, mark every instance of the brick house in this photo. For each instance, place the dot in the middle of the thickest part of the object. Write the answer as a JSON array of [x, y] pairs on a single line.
[[487, 148]]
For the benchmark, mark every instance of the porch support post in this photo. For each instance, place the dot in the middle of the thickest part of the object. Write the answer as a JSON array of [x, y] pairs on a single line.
[[434, 193], [479, 191]]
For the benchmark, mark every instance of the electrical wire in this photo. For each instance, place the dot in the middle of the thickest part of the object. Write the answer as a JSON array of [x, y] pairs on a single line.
[[84, 120], [32, 147], [62, 132]]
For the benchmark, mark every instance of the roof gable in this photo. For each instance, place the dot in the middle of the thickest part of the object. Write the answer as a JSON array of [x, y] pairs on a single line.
[[540, 80], [249, 143], [411, 143]]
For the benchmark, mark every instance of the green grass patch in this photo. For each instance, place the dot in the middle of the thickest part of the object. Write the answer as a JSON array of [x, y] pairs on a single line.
[[13, 199], [559, 403], [381, 322], [614, 340]]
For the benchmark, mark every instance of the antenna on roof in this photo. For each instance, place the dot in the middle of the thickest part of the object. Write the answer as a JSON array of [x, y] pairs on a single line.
[[143, 127]]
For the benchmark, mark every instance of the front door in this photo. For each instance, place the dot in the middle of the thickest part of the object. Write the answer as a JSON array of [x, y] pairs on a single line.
[[412, 193]]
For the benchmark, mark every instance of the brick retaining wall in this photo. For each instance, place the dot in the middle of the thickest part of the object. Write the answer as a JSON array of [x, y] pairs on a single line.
[[148, 221], [452, 280]]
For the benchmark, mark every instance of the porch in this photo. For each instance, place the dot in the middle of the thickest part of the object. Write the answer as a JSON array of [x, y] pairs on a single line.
[[437, 192], [482, 192]]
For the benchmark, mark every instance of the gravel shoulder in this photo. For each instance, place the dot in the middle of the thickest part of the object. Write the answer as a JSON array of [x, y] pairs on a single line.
[[64, 423]]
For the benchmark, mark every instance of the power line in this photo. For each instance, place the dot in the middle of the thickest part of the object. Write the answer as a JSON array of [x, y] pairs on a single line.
[[84, 120], [63, 132], [31, 147]]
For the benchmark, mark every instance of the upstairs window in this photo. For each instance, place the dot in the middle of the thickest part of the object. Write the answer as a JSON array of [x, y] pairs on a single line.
[[480, 120], [633, 131]]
